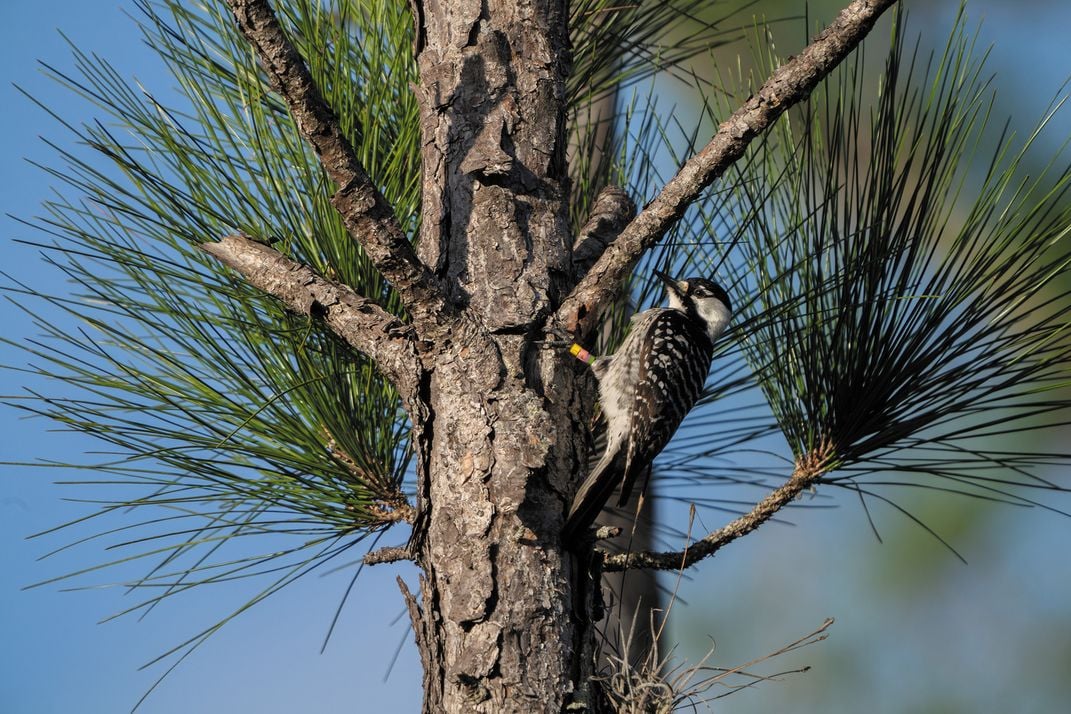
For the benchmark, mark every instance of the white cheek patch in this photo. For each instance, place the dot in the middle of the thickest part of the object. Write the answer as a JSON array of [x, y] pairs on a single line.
[[714, 314]]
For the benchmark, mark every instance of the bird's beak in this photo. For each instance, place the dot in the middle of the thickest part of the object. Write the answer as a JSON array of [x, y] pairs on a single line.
[[673, 285]]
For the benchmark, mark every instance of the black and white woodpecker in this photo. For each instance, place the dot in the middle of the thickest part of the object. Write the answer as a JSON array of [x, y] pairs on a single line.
[[647, 387]]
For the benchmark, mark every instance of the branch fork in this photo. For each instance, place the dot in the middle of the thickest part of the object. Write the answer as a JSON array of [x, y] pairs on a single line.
[[360, 321], [789, 84], [367, 215]]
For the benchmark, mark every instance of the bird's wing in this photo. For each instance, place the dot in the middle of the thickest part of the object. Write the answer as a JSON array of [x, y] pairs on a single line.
[[667, 387]]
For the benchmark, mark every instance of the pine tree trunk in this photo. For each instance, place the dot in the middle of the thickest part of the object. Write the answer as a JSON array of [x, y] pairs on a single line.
[[500, 426], [506, 617]]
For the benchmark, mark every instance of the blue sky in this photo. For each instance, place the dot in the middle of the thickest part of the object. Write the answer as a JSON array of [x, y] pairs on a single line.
[[55, 658]]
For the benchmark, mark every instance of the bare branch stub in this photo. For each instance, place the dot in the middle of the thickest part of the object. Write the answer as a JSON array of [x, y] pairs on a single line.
[[808, 472], [391, 554], [367, 215], [361, 322], [789, 84], [611, 212]]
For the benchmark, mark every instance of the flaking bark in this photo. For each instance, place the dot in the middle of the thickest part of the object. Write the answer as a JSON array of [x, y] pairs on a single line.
[[493, 623]]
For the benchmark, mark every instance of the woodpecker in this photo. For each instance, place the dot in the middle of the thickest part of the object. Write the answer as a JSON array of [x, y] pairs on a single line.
[[648, 386]]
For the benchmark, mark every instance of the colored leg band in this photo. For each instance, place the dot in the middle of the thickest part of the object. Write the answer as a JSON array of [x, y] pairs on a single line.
[[581, 354]]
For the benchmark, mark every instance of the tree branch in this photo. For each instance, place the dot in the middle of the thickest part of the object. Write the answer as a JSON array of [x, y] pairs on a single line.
[[809, 470], [788, 85], [367, 215], [361, 322]]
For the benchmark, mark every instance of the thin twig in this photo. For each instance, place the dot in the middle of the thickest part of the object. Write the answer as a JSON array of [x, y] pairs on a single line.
[[809, 469]]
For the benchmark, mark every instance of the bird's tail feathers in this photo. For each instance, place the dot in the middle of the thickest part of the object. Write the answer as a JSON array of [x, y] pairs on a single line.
[[594, 493], [629, 472]]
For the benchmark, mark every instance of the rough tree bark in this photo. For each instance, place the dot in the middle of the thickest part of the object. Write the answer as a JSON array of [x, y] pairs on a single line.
[[494, 629], [504, 617]]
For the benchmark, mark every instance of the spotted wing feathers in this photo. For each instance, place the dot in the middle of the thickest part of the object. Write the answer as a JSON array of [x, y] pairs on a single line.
[[645, 389], [675, 360]]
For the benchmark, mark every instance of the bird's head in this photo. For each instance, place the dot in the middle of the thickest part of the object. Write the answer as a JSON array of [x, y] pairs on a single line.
[[702, 300]]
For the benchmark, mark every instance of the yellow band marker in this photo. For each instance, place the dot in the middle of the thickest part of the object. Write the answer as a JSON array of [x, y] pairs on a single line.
[[581, 354]]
